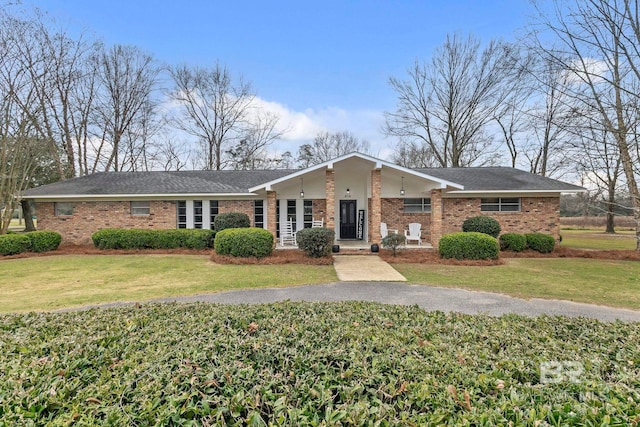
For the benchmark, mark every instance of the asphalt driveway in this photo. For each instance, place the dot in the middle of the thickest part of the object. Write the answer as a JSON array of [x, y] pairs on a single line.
[[428, 297]]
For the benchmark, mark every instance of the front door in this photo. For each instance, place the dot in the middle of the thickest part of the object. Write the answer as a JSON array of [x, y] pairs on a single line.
[[348, 219]]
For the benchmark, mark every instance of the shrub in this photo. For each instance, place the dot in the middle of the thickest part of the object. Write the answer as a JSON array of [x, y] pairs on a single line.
[[542, 243], [119, 238], [231, 220], [44, 241], [393, 241], [513, 242], [12, 244], [482, 224], [315, 242], [468, 245], [244, 242]]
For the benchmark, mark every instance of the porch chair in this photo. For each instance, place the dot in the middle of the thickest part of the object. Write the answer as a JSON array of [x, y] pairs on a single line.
[[384, 231], [287, 235], [414, 233], [317, 223]]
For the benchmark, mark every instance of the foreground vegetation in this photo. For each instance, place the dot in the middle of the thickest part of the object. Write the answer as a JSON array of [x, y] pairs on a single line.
[[604, 282], [307, 364], [48, 283]]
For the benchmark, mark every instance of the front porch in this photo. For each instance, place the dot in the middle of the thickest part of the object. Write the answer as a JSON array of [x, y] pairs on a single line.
[[359, 246]]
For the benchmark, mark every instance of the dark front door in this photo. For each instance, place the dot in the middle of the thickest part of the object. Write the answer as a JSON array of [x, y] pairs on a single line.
[[348, 219]]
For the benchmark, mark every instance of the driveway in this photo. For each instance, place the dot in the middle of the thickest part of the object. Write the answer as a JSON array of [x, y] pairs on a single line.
[[428, 297]]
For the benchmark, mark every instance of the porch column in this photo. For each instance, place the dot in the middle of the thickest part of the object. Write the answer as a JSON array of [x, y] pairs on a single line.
[[376, 205], [271, 214], [330, 187], [436, 217]]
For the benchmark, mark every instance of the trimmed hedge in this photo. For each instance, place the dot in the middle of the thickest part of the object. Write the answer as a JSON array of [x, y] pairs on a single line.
[[542, 243], [513, 242], [121, 238], [316, 242], [244, 242], [231, 220], [44, 241], [13, 244], [482, 224], [468, 245]]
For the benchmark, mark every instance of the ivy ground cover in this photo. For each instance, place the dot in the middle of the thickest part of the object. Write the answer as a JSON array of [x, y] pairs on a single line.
[[306, 364]]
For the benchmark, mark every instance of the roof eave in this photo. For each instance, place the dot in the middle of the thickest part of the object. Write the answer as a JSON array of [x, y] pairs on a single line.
[[137, 196]]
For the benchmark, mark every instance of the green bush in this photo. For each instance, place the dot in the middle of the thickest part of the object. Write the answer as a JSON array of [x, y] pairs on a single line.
[[542, 243], [513, 242], [120, 238], [13, 244], [482, 224], [468, 245], [231, 220], [315, 242], [44, 241], [244, 242], [393, 241]]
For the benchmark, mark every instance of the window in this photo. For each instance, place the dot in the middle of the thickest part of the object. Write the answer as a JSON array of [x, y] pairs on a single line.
[[140, 208], [213, 211], [258, 213], [308, 213], [197, 214], [291, 213], [63, 209], [182, 213], [417, 205], [500, 204]]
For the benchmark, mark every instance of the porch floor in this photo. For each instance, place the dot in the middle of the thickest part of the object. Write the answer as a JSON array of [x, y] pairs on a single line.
[[359, 245]]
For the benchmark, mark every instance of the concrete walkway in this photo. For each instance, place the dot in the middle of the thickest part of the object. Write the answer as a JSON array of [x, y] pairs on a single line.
[[365, 268]]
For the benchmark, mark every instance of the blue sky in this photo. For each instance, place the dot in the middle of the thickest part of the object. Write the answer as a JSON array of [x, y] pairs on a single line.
[[324, 64]]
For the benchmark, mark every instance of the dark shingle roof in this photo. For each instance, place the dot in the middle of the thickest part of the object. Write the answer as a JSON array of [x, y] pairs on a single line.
[[238, 182], [498, 179], [183, 182]]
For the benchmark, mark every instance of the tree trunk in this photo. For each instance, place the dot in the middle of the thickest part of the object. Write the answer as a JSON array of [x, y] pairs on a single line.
[[611, 210], [27, 213]]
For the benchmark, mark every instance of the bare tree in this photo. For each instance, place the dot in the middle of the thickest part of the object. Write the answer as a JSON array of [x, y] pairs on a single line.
[[446, 104], [412, 154], [598, 42], [214, 109], [126, 77], [327, 146], [250, 152]]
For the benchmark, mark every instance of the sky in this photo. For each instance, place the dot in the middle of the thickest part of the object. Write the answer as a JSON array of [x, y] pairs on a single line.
[[322, 65]]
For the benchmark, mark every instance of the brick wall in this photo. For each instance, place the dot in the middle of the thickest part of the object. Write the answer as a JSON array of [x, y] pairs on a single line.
[[395, 217], [89, 217], [319, 209], [538, 214], [242, 206]]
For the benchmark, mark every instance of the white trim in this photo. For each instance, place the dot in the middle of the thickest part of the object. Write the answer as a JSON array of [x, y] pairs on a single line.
[[377, 162], [515, 192]]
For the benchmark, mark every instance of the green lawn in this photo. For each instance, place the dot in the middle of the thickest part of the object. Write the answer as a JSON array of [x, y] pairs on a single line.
[[597, 239], [48, 283], [613, 283]]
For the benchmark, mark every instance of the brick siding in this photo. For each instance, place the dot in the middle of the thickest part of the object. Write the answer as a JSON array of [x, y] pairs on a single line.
[[242, 206], [537, 214], [89, 217], [395, 217]]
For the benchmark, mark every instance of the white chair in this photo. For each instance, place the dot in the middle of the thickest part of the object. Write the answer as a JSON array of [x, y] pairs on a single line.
[[414, 233], [317, 223], [287, 235], [384, 231]]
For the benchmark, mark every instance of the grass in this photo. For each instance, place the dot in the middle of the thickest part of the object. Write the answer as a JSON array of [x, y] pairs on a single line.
[[603, 282], [597, 239], [49, 283]]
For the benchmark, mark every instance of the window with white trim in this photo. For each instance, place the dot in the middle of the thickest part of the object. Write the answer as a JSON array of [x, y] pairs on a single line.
[[63, 209], [181, 206], [258, 213], [140, 208], [213, 211], [197, 214], [308, 213], [417, 205], [500, 204]]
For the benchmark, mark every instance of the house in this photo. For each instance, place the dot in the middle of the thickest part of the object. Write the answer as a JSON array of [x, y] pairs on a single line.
[[353, 194]]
